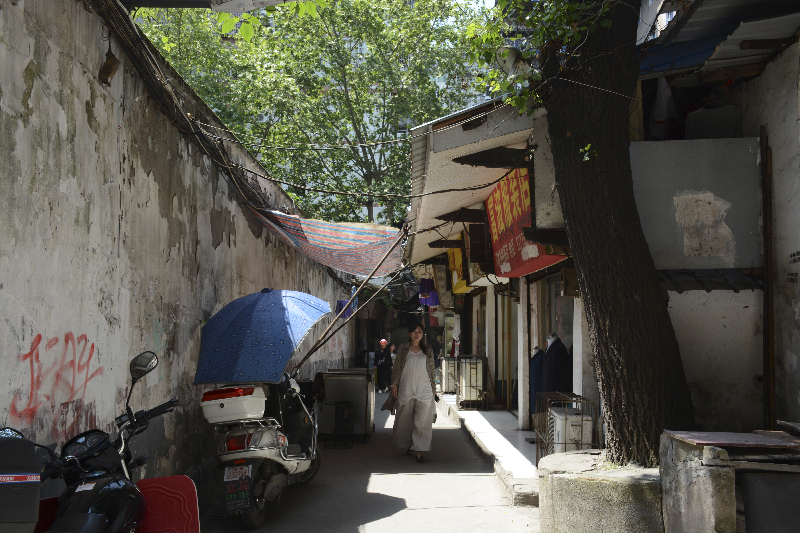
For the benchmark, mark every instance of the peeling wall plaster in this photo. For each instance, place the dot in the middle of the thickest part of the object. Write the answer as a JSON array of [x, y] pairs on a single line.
[[771, 100], [116, 237], [701, 217]]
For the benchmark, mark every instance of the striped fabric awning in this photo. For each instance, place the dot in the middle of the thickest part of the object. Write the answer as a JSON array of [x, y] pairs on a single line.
[[352, 248]]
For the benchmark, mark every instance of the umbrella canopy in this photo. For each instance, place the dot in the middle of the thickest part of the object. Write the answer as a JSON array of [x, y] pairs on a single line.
[[252, 339]]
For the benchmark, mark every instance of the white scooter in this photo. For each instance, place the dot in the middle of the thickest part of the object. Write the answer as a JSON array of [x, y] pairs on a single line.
[[266, 440]]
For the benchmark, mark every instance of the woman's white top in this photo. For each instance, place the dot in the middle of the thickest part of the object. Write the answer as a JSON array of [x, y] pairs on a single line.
[[414, 382]]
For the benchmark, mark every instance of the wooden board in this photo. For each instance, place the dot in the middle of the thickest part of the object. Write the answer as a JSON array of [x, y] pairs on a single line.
[[734, 440], [780, 435], [794, 427], [746, 465]]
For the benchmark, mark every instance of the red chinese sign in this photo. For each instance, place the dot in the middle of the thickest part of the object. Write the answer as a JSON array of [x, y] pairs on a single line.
[[509, 209]]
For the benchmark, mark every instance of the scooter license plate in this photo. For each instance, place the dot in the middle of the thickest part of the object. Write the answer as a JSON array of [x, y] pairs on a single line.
[[233, 473], [236, 488]]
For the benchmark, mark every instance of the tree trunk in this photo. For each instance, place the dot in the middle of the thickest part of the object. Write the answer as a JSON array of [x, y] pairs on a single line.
[[642, 382]]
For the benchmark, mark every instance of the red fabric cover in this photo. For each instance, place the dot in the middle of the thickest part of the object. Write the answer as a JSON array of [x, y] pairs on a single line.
[[171, 505], [48, 512]]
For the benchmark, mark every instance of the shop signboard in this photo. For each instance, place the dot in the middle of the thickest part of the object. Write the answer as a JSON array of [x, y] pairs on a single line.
[[509, 210], [458, 271]]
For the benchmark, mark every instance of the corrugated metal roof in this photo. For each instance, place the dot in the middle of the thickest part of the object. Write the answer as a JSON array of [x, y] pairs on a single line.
[[729, 52], [433, 169], [711, 18], [710, 38]]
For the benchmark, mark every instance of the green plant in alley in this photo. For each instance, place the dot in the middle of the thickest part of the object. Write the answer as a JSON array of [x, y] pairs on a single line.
[[350, 72], [578, 62]]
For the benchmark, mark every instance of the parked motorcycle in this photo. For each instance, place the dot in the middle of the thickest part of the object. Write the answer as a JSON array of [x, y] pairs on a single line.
[[266, 440], [100, 497]]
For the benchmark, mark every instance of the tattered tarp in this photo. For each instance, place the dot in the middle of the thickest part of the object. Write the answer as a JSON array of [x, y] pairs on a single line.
[[665, 59], [352, 248]]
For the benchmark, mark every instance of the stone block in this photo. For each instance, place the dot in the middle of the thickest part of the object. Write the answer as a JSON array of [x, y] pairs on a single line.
[[578, 493], [696, 497]]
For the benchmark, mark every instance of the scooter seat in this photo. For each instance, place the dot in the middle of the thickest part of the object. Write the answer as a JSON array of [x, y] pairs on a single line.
[[171, 505]]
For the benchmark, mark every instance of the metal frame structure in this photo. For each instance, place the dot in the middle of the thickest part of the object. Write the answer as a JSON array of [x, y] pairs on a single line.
[[560, 423]]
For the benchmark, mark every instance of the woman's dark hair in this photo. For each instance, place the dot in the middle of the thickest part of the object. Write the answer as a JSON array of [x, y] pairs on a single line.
[[422, 344]]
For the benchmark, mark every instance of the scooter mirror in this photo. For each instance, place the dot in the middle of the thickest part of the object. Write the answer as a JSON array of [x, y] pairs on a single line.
[[142, 364], [284, 384]]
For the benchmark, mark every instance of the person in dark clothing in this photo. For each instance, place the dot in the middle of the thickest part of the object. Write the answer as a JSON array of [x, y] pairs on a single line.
[[536, 374], [536, 384], [383, 363], [556, 366]]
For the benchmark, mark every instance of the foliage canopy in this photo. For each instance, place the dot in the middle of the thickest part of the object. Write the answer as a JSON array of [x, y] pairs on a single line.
[[541, 30], [358, 72]]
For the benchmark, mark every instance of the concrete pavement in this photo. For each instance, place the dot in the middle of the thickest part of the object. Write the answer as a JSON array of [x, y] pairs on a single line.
[[373, 487]]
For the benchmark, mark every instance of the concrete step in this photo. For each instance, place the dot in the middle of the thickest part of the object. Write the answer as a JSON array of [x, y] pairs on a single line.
[[516, 472]]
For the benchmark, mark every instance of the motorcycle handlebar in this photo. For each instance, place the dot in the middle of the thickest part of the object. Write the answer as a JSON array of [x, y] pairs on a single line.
[[166, 407], [52, 470], [57, 467]]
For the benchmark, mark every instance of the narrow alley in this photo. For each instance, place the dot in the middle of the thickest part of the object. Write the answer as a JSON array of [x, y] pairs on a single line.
[[373, 487]]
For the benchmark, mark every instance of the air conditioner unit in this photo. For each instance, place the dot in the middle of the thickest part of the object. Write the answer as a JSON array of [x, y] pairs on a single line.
[[448, 375], [569, 430]]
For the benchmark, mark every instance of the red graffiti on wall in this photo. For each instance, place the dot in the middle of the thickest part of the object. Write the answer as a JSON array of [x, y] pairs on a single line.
[[71, 375]]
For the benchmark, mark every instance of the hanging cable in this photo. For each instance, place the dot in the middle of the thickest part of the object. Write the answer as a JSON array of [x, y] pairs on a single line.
[[324, 339], [319, 342]]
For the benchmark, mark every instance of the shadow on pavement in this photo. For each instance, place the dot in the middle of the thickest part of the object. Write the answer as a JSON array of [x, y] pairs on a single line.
[[355, 485]]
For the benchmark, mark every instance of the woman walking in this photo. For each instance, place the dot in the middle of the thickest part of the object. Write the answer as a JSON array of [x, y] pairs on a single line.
[[414, 392]]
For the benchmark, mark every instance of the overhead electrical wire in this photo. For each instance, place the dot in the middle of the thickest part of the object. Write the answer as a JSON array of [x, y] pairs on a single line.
[[314, 146], [166, 95], [383, 195]]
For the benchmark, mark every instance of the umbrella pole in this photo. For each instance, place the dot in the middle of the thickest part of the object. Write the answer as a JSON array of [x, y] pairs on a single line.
[[334, 332], [320, 342]]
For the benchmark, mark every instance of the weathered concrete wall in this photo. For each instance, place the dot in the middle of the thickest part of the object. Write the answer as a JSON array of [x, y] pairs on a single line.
[[523, 358], [771, 100], [695, 497], [584, 369], [116, 237], [720, 337]]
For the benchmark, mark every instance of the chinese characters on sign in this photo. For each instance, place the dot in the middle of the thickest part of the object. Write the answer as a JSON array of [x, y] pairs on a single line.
[[509, 211]]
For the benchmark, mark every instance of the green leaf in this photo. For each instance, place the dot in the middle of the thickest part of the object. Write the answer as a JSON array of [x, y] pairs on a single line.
[[246, 31], [229, 24], [164, 39], [222, 17], [606, 23]]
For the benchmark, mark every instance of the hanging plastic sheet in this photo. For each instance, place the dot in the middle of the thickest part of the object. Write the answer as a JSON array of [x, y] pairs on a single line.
[[341, 304], [351, 248]]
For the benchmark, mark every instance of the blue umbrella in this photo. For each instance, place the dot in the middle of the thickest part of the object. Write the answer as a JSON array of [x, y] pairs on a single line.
[[252, 339]]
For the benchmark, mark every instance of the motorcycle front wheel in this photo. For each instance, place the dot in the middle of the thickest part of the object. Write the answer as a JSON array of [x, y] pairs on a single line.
[[255, 517]]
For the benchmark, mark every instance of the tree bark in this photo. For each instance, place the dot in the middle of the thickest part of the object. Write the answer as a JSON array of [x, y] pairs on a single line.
[[641, 376]]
